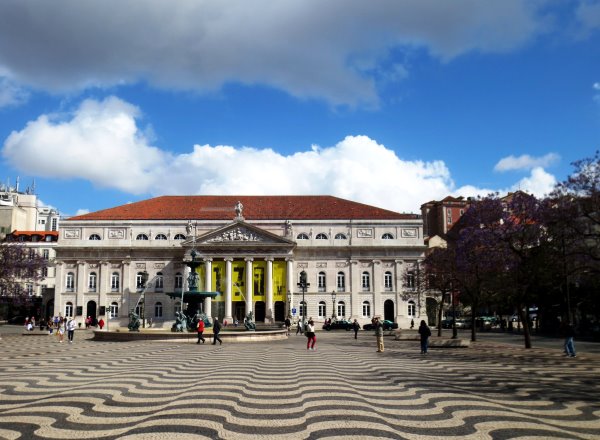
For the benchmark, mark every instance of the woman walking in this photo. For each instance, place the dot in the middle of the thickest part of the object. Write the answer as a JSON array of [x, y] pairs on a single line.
[[310, 334], [425, 333]]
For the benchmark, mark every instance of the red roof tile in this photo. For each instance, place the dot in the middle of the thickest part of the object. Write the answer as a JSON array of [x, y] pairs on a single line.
[[255, 208]]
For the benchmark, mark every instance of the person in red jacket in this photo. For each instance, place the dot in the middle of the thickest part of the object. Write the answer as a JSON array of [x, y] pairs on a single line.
[[101, 323], [200, 331]]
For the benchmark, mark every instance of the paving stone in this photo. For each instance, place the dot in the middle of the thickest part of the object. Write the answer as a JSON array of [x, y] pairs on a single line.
[[278, 389]]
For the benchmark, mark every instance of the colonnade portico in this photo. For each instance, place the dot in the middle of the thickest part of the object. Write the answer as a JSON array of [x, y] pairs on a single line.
[[246, 290]]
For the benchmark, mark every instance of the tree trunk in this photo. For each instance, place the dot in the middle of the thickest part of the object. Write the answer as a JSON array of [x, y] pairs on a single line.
[[440, 312], [473, 329], [526, 330]]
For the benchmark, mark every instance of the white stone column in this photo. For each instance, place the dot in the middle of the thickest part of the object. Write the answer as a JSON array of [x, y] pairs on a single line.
[[103, 286], [59, 286], [376, 287], [290, 283], [125, 288], [249, 285], [355, 288], [398, 288], [80, 289], [269, 280], [208, 287], [228, 289]]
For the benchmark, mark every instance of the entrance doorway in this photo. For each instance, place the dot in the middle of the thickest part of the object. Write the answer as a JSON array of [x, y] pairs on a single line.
[[239, 310], [91, 312], [388, 310], [259, 311], [49, 309], [279, 311]]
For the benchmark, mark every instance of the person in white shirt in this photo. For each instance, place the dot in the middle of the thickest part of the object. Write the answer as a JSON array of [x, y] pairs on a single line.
[[71, 324]]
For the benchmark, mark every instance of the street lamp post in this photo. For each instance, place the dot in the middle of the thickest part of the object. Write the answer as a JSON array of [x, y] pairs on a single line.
[[454, 332], [333, 295], [303, 284], [289, 301]]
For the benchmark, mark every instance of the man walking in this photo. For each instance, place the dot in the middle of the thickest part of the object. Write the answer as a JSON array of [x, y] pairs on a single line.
[[71, 324], [379, 334], [216, 331], [569, 344], [356, 328]]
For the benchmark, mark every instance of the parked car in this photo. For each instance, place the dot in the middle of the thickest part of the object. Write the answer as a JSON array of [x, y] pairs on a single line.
[[387, 325], [463, 323], [337, 325], [20, 320]]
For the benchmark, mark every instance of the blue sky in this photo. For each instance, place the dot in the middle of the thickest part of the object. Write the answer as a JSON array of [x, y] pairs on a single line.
[[387, 102]]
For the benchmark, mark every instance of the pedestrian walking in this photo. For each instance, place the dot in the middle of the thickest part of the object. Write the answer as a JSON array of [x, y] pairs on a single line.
[[412, 324], [60, 331], [310, 335], [71, 324], [379, 334], [569, 343], [425, 333], [216, 331], [288, 326], [200, 330], [299, 328], [356, 328]]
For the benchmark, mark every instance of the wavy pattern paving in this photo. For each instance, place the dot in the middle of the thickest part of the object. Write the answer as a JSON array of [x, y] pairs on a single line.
[[279, 390]]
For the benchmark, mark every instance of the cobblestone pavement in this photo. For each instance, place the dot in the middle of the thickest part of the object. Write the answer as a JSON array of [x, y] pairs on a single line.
[[133, 390]]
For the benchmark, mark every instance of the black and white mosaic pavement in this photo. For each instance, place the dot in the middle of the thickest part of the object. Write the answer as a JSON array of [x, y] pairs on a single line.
[[344, 389]]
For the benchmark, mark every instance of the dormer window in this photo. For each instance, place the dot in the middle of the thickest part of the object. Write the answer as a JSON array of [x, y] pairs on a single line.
[[322, 236], [179, 237], [94, 237], [302, 236], [141, 237], [340, 236], [387, 236], [160, 237]]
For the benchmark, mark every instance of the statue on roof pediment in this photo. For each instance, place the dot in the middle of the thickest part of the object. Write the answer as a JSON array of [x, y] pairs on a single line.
[[235, 234]]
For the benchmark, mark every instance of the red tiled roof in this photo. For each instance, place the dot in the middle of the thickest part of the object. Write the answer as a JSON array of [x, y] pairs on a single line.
[[255, 208]]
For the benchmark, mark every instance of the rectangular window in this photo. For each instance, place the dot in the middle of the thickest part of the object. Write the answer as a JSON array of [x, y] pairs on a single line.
[[46, 254], [29, 288], [54, 224], [322, 310], [410, 280], [387, 282]]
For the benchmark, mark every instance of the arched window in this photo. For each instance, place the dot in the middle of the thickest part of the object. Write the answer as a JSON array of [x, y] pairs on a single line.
[[141, 237], [302, 309], [322, 309], [158, 309], [160, 237], [159, 282], [366, 281], [115, 281], [92, 281], [178, 280], [321, 282], [387, 281], [69, 310], [70, 282], [114, 309], [341, 282], [387, 236], [366, 309], [179, 237], [340, 236], [302, 236], [177, 308], [341, 309], [322, 236], [94, 237], [412, 309]]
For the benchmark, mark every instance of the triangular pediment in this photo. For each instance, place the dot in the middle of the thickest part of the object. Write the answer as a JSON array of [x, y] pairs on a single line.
[[238, 233]]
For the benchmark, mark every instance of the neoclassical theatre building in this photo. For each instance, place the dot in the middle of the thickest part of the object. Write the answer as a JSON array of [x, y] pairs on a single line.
[[360, 260]]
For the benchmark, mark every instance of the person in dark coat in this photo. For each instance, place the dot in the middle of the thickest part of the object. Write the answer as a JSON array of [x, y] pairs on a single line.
[[356, 328], [216, 331], [425, 333]]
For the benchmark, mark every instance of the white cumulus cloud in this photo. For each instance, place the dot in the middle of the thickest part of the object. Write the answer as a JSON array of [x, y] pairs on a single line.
[[101, 142], [526, 162]]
